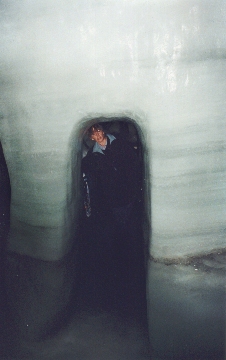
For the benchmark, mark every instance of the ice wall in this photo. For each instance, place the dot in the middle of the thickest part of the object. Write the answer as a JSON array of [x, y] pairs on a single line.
[[160, 62]]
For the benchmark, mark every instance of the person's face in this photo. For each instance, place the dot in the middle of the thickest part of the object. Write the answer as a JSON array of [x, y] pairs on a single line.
[[99, 136]]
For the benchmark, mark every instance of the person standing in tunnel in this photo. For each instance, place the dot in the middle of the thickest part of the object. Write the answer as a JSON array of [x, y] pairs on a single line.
[[112, 196], [111, 174]]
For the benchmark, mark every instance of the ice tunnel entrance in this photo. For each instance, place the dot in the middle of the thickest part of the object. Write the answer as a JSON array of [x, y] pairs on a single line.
[[5, 194], [113, 263]]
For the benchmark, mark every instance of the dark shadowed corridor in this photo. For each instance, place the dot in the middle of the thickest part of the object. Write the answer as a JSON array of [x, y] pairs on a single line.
[[112, 269]]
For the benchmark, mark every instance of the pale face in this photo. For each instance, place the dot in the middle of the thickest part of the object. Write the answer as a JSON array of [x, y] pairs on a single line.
[[100, 137]]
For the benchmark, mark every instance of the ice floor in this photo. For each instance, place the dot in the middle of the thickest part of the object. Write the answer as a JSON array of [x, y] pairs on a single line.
[[91, 337], [106, 318], [187, 308]]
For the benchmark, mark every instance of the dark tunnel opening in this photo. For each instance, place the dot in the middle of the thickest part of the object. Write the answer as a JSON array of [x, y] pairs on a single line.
[[5, 197], [113, 263], [5, 194]]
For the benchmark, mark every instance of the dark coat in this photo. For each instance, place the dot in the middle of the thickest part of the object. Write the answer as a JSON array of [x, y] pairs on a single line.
[[113, 177]]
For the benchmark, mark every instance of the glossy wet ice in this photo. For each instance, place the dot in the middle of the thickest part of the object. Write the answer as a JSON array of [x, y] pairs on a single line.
[[187, 308]]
